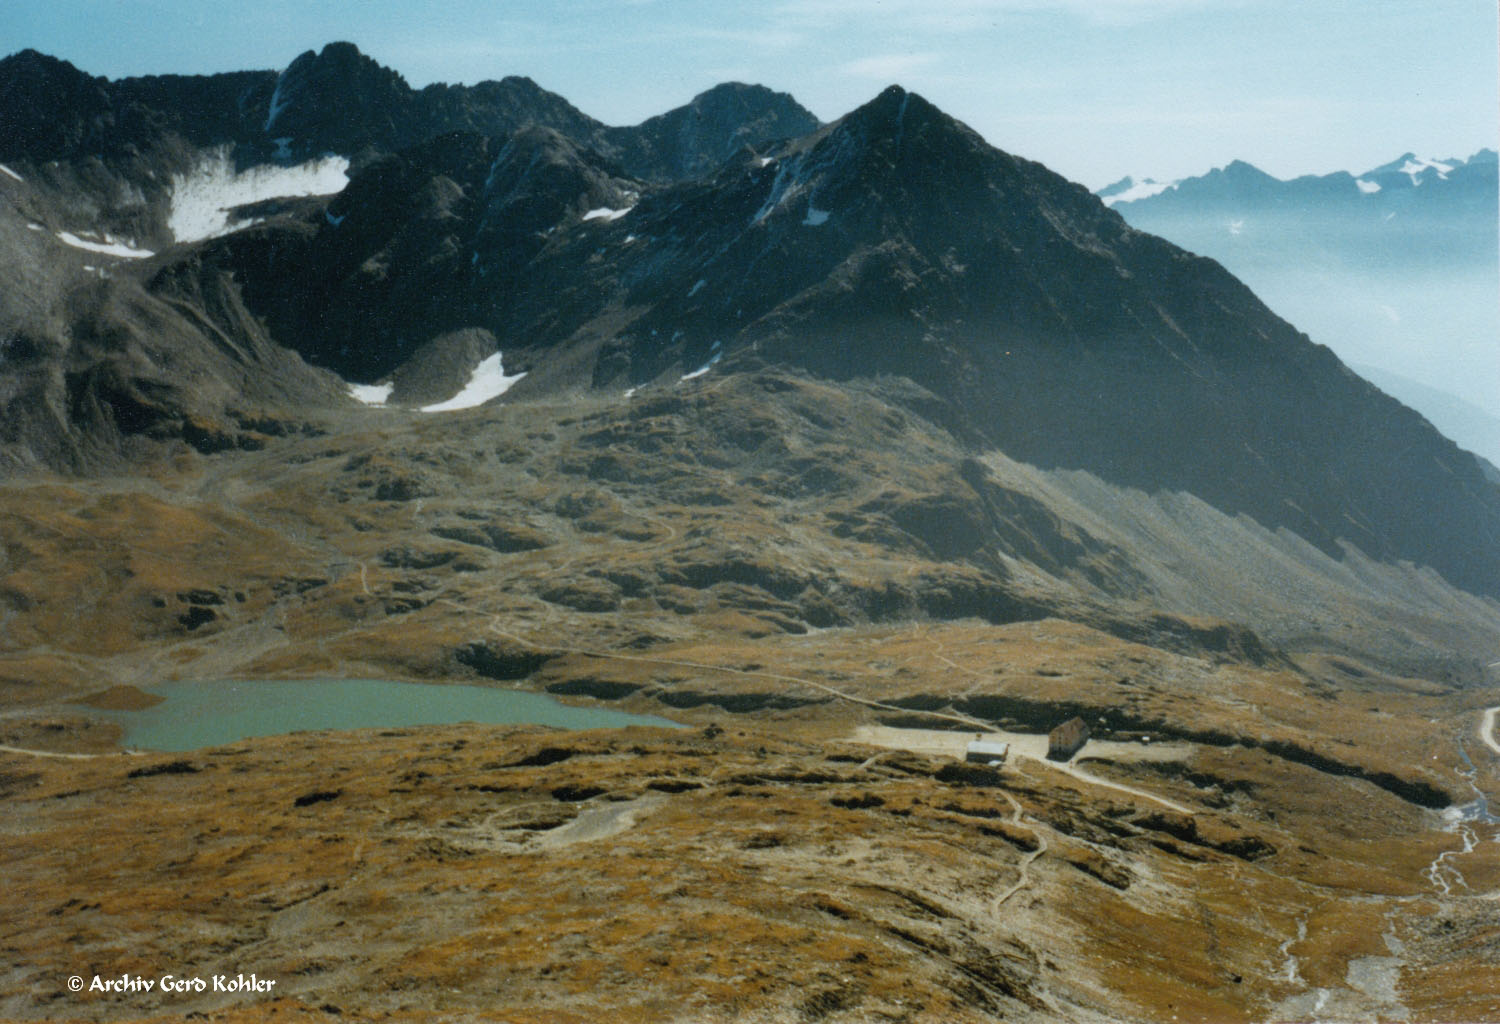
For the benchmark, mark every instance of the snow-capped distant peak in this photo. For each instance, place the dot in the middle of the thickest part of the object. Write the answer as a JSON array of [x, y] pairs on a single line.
[[1414, 167], [1128, 190]]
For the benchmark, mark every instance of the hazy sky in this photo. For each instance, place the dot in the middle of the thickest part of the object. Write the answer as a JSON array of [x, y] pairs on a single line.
[[1093, 88]]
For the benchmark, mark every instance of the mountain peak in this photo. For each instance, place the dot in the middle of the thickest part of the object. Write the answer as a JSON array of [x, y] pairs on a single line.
[[890, 103], [1246, 171], [896, 114], [734, 90], [48, 107], [341, 50], [34, 60], [696, 138], [340, 96]]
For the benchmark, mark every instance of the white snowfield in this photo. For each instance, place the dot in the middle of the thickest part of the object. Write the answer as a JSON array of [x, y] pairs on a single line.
[[202, 200], [1369, 188], [372, 394], [488, 381], [111, 246], [606, 213]]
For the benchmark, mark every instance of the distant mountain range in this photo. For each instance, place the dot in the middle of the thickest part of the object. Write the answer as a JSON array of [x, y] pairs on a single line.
[[186, 265], [1396, 268], [1454, 181]]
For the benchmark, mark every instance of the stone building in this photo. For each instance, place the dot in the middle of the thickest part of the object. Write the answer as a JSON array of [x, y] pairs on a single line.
[[1066, 740], [983, 751]]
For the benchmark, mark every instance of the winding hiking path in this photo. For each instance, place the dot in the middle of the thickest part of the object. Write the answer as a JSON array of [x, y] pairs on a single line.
[[1084, 776], [1041, 848]]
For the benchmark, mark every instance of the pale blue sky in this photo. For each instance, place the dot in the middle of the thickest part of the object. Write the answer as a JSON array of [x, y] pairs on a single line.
[[1093, 88]]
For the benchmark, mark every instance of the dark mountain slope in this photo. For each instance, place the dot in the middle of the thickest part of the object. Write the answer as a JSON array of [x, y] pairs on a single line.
[[694, 140], [896, 241], [107, 373], [893, 242]]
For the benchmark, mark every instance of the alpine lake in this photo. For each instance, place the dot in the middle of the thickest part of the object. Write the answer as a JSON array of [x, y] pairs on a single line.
[[206, 714]]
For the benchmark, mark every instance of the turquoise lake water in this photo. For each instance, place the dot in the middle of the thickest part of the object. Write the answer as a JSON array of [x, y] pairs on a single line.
[[207, 714]]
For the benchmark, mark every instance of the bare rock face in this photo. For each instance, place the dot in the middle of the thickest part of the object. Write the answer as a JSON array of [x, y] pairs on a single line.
[[719, 124]]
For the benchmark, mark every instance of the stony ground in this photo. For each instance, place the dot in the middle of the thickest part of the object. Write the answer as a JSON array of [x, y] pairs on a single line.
[[1261, 829]]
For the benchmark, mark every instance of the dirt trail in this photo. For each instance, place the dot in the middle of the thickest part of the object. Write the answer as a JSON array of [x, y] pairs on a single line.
[[1041, 848], [1487, 729], [53, 753], [1032, 747]]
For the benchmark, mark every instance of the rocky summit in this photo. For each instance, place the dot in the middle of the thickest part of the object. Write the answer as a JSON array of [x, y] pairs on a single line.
[[839, 446]]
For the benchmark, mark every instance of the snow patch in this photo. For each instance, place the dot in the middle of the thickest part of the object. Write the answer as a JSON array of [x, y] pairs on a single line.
[[700, 371], [372, 394], [605, 213], [697, 287], [33, 226], [1369, 188], [764, 161], [109, 247], [814, 216], [786, 183], [203, 199], [488, 381], [12, 173], [1144, 189]]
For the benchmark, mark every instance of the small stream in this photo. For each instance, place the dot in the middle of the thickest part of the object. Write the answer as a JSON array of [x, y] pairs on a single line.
[[1461, 819]]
